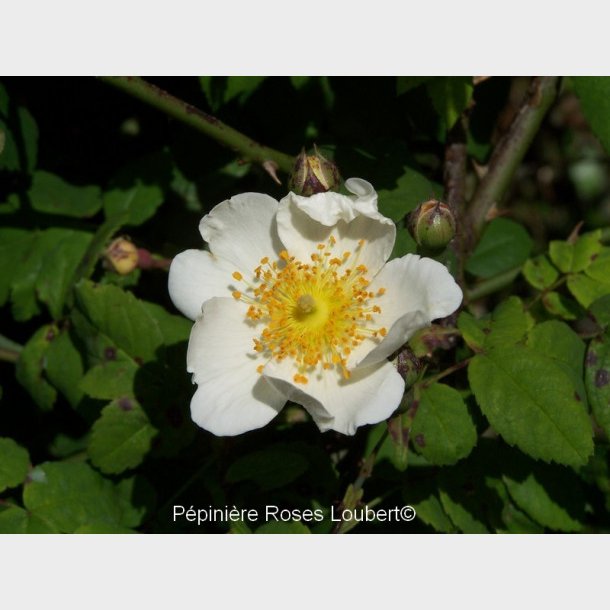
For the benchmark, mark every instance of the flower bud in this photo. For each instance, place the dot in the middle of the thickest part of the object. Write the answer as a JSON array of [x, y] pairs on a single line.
[[432, 225], [2, 140], [313, 174], [122, 256]]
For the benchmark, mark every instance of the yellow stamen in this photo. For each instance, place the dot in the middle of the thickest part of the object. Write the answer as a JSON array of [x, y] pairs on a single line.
[[314, 313]]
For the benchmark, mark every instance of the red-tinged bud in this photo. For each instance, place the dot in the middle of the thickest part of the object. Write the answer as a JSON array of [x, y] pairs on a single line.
[[409, 366], [313, 174], [122, 256]]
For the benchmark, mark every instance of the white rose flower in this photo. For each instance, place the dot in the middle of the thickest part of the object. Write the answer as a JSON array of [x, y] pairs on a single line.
[[296, 301]]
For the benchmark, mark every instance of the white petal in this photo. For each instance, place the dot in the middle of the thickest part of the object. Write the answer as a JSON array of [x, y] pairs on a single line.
[[304, 222], [369, 396], [418, 290], [242, 230], [196, 276], [232, 396]]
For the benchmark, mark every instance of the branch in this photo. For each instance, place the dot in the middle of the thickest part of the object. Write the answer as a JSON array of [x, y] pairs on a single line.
[[511, 149], [9, 350], [454, 179], [212, 127], [454, 171], [493, 284]]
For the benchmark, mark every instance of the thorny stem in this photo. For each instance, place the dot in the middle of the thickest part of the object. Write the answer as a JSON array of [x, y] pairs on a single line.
[[247, 148], [510, 151], [454, 179]]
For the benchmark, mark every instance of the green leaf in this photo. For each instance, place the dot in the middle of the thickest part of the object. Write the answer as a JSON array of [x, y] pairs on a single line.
[[20, 148], [599, 265], [597, 380], [559, 305], [14, 463], [242, 87], [473, 331], [431, 512], [509, 324], [121, 317], [64, 446], [586, 290], [31, 366], [540, 272], [68, 495], [404, 244], [220, 90], [412, 188], [58, 267], [280, 527], [64, 367], [300, 82], [450, 96], [594, 94], [175, 329], [121, 437], [110, 379], [504, 245], [587, 249], [13, 520], [239, 527], [15, 244], [559, 342], [23, 290], [139, 202], [45, 270], [407, 83], [517, 522], [461, 513], [139, 189], [269, 468], [562, 253], [52, 195], [600, 310], [577, 256], [443, 431], [550, 495], [136, 497], [531, 401]]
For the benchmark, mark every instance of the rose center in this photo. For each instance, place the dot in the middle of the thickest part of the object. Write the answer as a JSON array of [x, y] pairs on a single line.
[[315, 313]]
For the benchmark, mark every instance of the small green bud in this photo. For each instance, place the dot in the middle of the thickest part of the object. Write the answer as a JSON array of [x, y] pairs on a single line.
[[2, 140], [432, 225], [313, 174]]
